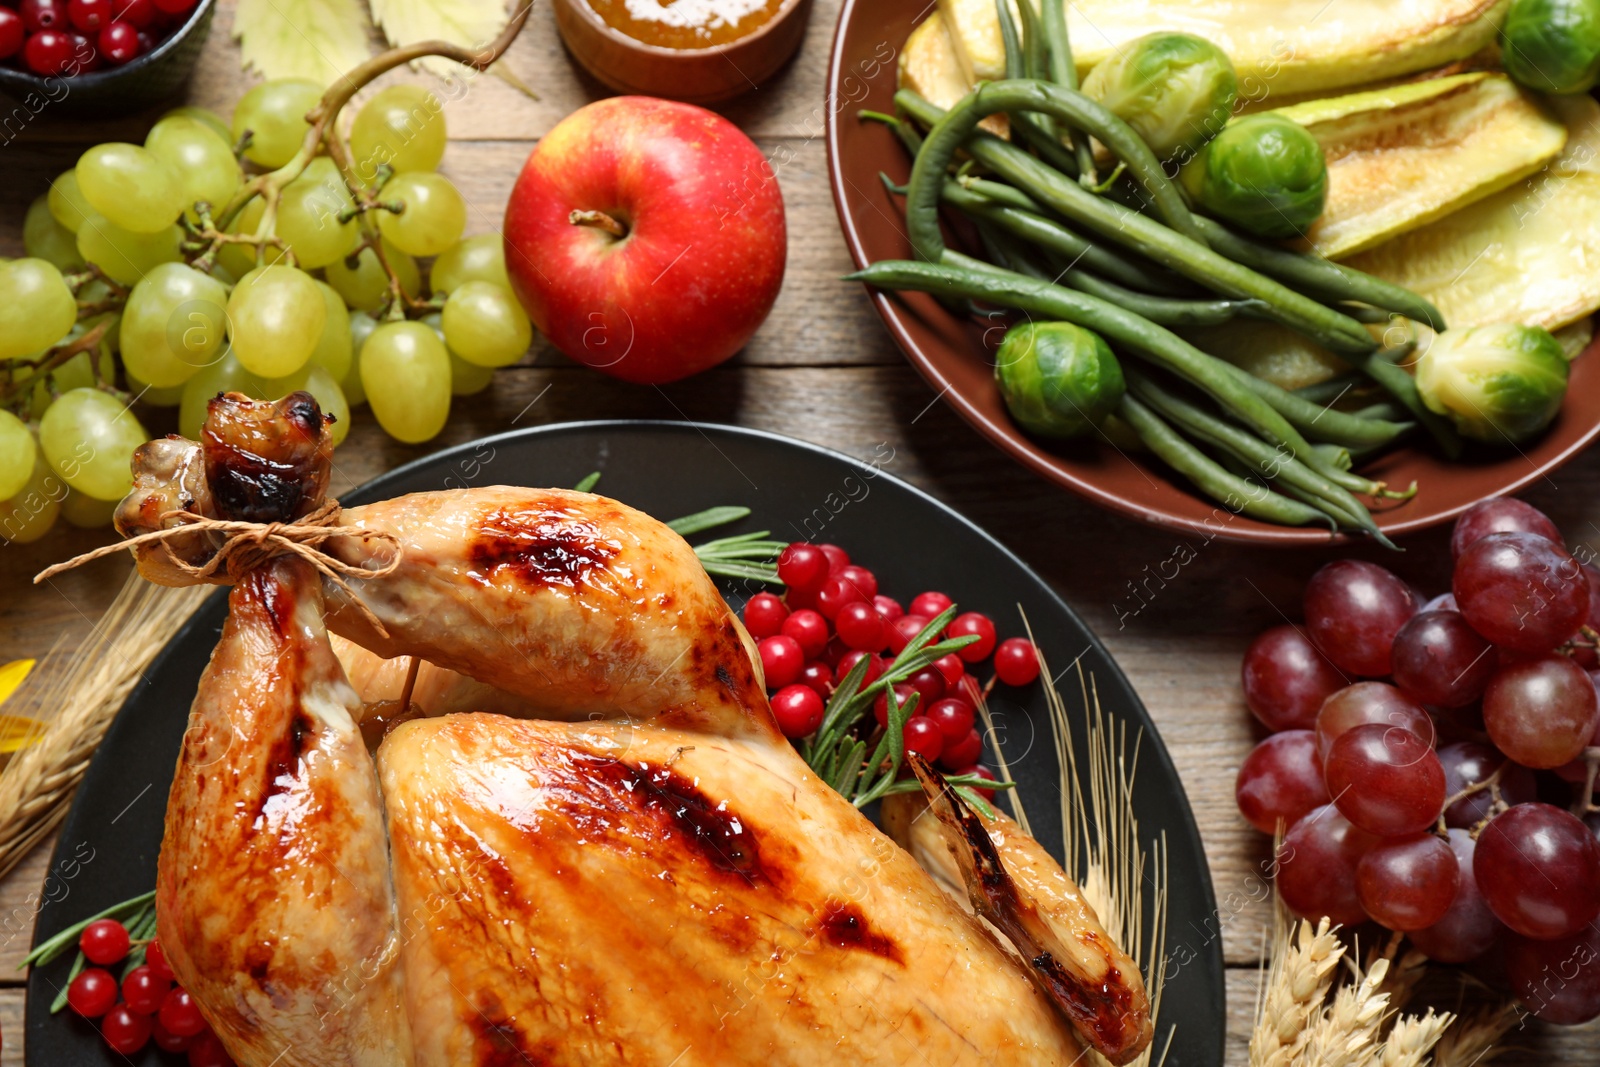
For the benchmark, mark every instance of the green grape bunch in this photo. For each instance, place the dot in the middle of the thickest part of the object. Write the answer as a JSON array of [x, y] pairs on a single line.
[[262, 254]]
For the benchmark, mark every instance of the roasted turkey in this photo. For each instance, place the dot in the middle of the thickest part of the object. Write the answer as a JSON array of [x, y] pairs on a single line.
[[576, 836]]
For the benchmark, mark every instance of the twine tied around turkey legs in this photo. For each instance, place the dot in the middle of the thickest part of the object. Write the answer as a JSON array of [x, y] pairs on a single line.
[[249, 545]]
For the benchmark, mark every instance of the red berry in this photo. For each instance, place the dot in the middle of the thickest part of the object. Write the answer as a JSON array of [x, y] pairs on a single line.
[[875, 667], [166, 1040], [963, 752], [969, 688], [781, 660], [928, 683], [809, 630], [119, 42], [175, 7], [125, 1030], [144, 990], [84, 56], [89, 15], [922, 736], [838, 558], [180, 1015], [798, 710], [207, 1051], [972, 622], [903, 629], [835, 593], [835, 651], [11, 33], [888, 607], [802, 566], [764, 615], [954, 718], [861, 627], [818, 676], [862, 579], [1016, 661], [951, 667], [48, 52], [140, 14], [930, 604], [40, 15], [92, 993], [155, 957], [104, 941], [903, 695]]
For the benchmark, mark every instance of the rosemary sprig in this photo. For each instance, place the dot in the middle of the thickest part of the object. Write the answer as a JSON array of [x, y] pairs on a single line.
[[51, 949], [836, 751]]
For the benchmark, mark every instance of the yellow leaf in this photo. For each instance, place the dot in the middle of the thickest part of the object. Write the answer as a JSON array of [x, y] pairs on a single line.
[[12, 675], [19, 731], [465, 22], [315, 39]]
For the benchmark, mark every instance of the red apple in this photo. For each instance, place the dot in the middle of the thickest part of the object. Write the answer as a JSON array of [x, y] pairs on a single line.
[[646, 238]]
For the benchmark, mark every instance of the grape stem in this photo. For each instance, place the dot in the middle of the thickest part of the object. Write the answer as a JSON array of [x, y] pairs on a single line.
[[1584, 802], [55, 358], [1492, 784], [323, 120]]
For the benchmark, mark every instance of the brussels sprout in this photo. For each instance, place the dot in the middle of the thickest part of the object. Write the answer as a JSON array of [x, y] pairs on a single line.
[[1264, 173], [1058, 380], [1498, 384], [1552, 45], [1175, 89]]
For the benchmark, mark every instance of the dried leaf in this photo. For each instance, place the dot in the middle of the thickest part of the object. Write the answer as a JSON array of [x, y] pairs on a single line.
[[469, 23], [315, 39]]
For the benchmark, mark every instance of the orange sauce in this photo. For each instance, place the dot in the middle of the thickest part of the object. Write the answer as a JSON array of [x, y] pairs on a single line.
[[686, 23]]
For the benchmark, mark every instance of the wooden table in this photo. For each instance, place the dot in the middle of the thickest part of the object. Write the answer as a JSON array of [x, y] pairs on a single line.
[[822, 369]]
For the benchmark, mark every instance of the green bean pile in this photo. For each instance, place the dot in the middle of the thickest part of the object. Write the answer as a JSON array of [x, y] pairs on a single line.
[[1127, 258]]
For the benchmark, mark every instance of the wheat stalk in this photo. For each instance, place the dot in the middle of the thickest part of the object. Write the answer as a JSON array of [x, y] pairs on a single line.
[[76, 700], [1296, 990], [1472, 1041]]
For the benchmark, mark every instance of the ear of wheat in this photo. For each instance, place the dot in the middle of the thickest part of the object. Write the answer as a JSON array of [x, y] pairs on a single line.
[[74, 698], [1318, 1007]]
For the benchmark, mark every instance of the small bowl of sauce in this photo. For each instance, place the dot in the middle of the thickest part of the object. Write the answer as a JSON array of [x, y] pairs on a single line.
[[701, 51]]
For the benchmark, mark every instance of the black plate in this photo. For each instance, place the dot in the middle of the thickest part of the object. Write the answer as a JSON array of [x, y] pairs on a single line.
[[108, 845]]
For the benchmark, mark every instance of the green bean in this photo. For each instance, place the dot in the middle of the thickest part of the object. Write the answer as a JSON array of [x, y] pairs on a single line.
[[1064, 72], [1027, 126], [973, 197], [1386, 409], [1321, 422], [1334, 455], [1033, 44], [908, 134], [1147, 236], [1161, 310], [1319, 277], [964, 277], [1211, 478], [959, 123], [1331, 390], [1271, 461]]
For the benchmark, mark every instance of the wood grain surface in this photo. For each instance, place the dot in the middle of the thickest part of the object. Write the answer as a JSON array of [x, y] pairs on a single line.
[[1175, 611]]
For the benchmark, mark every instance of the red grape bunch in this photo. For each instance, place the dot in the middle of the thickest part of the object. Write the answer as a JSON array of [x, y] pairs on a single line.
[[1432, 763]]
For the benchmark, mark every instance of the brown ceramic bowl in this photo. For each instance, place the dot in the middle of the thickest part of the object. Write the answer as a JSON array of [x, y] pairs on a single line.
[[952, 354], [697, 75]]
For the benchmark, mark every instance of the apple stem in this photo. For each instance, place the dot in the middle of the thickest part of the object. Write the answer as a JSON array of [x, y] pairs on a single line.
[[599, 220]]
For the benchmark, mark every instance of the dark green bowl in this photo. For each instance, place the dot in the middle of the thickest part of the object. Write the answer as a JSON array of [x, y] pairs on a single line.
[[151, 78]]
